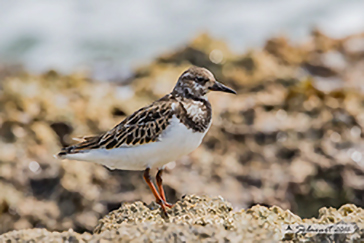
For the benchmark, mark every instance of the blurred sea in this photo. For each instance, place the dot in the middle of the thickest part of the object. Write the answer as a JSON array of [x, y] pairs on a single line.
[[112, 36]]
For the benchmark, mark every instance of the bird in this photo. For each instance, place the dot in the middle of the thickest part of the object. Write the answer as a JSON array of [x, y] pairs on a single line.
[[159, 133]]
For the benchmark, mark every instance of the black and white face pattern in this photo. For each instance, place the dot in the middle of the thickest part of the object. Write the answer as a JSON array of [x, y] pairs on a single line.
[[197, 82]]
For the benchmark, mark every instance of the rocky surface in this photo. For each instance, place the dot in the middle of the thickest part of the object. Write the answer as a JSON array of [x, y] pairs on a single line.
[[292, 137], [200, 219]]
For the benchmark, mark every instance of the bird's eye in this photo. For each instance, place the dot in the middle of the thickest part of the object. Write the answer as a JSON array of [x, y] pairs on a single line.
[[201, 79]]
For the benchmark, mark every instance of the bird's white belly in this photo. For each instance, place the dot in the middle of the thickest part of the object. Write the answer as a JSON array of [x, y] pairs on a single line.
[[177, 140]]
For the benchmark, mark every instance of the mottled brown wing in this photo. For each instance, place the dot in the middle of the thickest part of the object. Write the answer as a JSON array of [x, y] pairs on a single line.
[[143, 126]]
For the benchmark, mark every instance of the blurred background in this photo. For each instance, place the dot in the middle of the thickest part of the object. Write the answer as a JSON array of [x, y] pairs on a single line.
[[292, 137], [112, 36]]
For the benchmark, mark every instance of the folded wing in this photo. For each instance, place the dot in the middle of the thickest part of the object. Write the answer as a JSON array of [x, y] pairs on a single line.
[[142, 127]]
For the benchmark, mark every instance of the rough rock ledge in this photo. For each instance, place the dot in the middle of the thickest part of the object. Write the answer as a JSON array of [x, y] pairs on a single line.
[[200, 219]]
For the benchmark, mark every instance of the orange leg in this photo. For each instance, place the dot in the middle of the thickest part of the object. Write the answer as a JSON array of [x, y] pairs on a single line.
[[158, 198], [160, 187]]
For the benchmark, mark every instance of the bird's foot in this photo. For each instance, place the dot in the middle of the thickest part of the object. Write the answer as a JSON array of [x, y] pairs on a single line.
[[169, 205], [163, 205]]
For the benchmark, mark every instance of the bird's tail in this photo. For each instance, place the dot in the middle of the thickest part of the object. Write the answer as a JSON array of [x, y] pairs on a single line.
[[86, 143]]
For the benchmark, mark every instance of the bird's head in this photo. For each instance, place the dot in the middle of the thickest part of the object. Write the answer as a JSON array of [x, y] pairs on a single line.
[[197, 82]]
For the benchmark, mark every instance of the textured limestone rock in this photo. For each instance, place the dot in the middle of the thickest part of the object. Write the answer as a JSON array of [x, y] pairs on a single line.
[[200, 219], [192, 210]]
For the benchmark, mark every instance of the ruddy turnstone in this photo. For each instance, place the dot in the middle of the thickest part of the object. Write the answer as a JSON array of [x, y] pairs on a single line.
[[154, 135]]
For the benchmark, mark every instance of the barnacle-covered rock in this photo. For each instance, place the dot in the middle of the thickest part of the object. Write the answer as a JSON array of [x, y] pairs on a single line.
[[192, 210], [201, 219]]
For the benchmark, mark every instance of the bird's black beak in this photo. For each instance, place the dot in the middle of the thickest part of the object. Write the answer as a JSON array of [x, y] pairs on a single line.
[[220, 87]]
